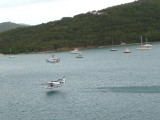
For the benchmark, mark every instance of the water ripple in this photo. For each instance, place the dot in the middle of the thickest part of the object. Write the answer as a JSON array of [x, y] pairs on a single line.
[[132, 89]]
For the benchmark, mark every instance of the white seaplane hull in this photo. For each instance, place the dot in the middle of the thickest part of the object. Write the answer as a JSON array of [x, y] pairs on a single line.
[[55, 84]]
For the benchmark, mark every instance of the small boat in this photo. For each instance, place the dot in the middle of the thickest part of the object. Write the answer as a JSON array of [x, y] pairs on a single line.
[[56, 83], [12, 56], [76, 51], [127, 51], [79, 56], [52, 59]]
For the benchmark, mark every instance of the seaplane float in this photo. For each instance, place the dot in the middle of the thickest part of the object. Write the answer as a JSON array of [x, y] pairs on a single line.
[[56, 83]]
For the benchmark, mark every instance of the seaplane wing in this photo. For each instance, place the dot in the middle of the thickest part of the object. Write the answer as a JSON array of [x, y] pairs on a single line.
[[55, 84]]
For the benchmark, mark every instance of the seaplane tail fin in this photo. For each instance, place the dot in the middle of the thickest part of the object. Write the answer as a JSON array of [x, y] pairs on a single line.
[[63, 80]]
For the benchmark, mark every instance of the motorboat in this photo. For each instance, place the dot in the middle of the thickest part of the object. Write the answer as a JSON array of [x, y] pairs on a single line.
[[79, 56], [127, 51], [56, 83], [53, 59], [76, 51]]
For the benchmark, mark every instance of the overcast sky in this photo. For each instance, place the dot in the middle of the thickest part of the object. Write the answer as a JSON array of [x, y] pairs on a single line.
[[35, 12]]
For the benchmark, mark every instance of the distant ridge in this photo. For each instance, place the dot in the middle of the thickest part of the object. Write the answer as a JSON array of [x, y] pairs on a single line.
[[5, 26]]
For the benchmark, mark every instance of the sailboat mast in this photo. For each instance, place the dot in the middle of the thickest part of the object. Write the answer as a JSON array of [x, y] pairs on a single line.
[[10, 50], [141, 40], [146, 39]]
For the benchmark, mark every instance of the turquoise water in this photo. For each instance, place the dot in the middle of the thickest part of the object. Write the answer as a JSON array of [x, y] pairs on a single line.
[[103, 85]]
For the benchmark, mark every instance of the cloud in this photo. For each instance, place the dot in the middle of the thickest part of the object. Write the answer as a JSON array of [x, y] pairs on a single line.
[[17, 3]]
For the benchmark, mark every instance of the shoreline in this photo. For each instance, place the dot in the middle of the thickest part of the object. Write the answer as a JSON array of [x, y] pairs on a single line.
[[80, 48], [84, 48]]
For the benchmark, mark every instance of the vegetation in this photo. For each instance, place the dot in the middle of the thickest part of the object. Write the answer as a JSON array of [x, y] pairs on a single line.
[[126, 22]]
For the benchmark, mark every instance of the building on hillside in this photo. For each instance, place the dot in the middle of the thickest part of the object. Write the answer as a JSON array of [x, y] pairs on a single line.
[[94, 12]]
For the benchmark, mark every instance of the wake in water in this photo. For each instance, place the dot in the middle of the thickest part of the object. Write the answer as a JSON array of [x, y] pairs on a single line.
[[132, 89]]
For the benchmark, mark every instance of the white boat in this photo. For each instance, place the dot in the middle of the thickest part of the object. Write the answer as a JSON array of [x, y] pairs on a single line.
[[127, 51], [113, 49], [79, 56], [76, 51], [144, 47], [52, 59], [12, 56], [55, 84]]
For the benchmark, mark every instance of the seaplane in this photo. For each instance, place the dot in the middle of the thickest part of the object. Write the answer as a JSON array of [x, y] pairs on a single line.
[[55, 84]]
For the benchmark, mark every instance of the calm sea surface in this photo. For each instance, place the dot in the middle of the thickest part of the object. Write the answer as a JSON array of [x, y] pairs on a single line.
[[103, 85]]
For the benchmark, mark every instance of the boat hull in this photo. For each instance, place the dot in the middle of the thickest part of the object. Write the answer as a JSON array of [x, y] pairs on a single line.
[[127, 52], [143, 48], [113, 50], [76, 51], [52, 60]]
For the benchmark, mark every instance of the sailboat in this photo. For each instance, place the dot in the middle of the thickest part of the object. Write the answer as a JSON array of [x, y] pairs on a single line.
[[147, 44], [11, 56], [112, 47], [144, 47]]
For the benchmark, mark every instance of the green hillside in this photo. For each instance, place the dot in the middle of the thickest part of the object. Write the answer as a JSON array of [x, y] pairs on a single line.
[[125, 23]]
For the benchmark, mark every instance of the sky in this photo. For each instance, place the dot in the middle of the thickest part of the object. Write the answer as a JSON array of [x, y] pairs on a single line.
[[34, 12]]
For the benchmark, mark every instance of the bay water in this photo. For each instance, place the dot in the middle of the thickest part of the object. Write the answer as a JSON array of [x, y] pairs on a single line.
[[104, 85]]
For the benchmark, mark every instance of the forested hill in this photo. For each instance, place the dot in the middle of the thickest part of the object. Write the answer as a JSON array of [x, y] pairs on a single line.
[[125, 23], [5, 26]]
